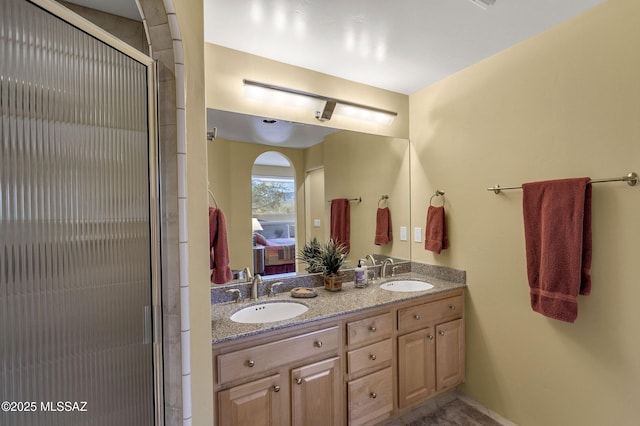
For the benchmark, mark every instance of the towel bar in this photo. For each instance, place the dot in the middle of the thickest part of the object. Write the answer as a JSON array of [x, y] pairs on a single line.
[[631, 179], [359, 199]]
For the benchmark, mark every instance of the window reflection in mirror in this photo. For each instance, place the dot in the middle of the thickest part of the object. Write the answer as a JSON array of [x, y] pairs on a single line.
[[273, 210]]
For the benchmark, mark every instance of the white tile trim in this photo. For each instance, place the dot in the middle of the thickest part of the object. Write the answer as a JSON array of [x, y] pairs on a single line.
[[185, 327]]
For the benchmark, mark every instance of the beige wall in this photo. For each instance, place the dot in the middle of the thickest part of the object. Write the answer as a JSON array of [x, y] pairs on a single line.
[[315, 205], [230, 165], [360, 165], [226, 68], [563, 104], [189, 14], [314, 192]]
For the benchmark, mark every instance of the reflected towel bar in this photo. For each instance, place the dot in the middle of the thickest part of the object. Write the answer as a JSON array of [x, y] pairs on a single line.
[[631, 179], [359, 199]]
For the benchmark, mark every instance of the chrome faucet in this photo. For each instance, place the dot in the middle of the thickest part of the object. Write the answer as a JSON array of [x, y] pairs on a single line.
[[236, 294], [383, 269], [257, 280], [373, 264], [274, 286], [247, 274]]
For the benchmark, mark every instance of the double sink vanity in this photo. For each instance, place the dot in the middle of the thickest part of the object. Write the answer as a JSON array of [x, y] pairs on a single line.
[[351, 357]]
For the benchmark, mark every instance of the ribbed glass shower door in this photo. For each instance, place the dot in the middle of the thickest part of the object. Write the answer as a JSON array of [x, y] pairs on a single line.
[[75, 227]]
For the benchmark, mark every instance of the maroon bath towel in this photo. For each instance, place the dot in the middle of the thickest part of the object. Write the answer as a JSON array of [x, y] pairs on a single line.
[[436, 230], [218, 247], [557, 228], [384, 233], [340, 221]]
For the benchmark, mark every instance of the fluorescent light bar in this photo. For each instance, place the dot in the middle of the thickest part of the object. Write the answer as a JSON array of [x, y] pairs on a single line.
[[320, 105]]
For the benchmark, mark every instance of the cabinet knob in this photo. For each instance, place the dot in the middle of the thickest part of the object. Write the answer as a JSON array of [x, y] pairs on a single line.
[[416, 316], [298, 381], [452, 307], [373, 329], [251, 363], [276, 388], [430, 337], [373, 395], [441, 333], [372, 357], [318, 343]]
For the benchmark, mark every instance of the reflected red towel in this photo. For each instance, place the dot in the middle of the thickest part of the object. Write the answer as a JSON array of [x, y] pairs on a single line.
[[218, 247], [340, 221], [384, 233], [436, 230], [557, 228]]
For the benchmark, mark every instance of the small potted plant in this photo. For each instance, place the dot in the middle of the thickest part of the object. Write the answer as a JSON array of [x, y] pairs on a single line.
[[332, 256], [310, 254]]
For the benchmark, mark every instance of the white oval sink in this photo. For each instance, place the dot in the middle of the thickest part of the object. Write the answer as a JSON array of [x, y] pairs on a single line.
[[406, 286], [269, 312]]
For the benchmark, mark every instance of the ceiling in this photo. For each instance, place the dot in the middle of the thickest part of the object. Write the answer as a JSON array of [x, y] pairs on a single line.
[[402, 45], [240, 127]]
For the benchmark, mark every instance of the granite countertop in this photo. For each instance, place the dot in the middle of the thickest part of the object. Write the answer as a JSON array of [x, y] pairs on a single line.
[[326, 305]]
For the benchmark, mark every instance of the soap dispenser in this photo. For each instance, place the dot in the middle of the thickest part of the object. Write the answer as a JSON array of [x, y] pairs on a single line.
[[360, 274]]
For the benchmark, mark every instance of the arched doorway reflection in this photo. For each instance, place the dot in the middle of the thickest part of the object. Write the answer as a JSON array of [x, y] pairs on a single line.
[[273, 208]]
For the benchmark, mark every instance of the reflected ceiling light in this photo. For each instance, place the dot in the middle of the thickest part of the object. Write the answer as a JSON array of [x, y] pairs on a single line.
[[323, 106]]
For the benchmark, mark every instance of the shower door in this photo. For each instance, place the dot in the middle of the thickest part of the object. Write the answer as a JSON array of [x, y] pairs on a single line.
[[78, 228]]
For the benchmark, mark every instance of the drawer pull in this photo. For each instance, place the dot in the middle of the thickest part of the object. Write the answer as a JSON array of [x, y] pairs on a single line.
[[298, 381], [373, 395], [452, 307], [318, 343], [430, 337], [276, 388], [373, 329], [441, 333], [416, 316], [372, 357], [251, 363]]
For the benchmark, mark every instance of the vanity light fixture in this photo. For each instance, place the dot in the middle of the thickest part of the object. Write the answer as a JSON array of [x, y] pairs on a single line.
[[324, 107]]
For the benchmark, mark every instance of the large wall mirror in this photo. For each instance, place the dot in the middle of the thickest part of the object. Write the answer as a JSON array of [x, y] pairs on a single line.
[[256, 157]]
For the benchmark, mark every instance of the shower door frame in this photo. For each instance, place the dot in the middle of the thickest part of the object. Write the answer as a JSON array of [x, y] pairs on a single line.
[[153, 318]]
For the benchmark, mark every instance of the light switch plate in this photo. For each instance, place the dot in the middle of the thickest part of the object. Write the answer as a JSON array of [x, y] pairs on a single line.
[[417, 234], [403, 233], [316, 223]]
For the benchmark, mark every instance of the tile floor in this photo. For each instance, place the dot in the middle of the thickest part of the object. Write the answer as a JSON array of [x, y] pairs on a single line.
[[432, 405]]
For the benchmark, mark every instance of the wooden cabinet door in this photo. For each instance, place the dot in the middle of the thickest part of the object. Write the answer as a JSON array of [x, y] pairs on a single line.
[[316, 397], [416, 366], [450, 354], [257, 403], [370, 398]]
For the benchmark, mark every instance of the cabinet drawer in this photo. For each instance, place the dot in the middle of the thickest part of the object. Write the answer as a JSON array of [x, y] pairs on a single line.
[[369, 356], [247, 362], [430, 313], [370, 397], [369, 329]]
